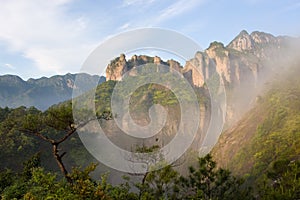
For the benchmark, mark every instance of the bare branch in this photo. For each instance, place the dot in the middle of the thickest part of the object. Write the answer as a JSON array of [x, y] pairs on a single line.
[[38, 134], [62, 155], [67, 135]]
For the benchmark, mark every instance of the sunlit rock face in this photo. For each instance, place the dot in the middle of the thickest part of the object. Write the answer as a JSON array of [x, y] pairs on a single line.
[[240, 67], [119, 66]]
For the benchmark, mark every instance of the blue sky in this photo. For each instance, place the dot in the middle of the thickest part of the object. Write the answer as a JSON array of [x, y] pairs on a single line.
[[43, 38]]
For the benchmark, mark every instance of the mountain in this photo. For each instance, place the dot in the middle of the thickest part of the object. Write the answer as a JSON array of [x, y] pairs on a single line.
[[242, 67], [241, 60], [254, 69], [253, 140], [42, 92]]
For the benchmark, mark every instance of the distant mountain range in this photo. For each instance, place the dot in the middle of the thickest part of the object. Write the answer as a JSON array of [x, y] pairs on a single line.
[[40, 93]]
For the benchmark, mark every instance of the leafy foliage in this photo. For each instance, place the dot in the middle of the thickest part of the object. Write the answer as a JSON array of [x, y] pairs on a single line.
[[208, 182], [163, 182], [20, 145], [282, 181]]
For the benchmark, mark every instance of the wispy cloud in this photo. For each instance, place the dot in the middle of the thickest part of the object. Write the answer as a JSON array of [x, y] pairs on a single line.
[[156, 14], [178, 8], [43, 32], [137, 2], [8, 66], [124, 26]]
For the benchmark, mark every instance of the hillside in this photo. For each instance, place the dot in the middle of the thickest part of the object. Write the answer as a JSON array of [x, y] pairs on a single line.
[[269, 133]]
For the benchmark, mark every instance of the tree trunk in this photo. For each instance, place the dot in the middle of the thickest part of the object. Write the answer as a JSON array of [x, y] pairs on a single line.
[[59, 162]]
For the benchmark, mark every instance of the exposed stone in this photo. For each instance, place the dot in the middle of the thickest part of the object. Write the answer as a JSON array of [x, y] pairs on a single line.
[[174, 65], [134, 58], [263, 38], [70, 83], [116, 68], [193, 74], [242, 42], [240, 61], [119, 66], [157, 60], [122, 57]]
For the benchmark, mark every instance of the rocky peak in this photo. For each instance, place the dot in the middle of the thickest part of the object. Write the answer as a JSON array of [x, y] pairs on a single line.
[[242, 42], [157, 60], [256, 41], [228, 63], [174, 65], [122, 57], [116, 68], [215, 45], [134, 58], [119, 66], [263, 38], [216, 49]]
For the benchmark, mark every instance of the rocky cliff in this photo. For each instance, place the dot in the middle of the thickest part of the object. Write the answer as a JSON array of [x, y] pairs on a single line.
[[241, 66], [240, 61], [119, 66]]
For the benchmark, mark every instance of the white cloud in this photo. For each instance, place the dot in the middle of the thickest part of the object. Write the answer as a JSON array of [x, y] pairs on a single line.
[[58, 40], [9, 66], [136, 2], [178, 8], [124, 26], [154, 15], [43, 32]]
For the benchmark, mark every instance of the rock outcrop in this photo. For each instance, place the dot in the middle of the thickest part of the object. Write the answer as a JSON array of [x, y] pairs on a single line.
[[119, 66], [237, 63], [239, 66]]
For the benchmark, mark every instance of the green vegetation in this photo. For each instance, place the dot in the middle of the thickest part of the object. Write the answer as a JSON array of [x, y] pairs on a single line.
[[203, 182], [264, 154], [277, 136], [146, 95], [219, 48], [20, 140], [266, 148]]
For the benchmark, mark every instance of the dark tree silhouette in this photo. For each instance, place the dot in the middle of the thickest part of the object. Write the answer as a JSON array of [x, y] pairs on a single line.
[[54, 126]]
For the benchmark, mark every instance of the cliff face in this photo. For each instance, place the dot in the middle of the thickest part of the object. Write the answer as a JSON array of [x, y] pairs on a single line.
[[238, 62], [240, 67], [119, 66]]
